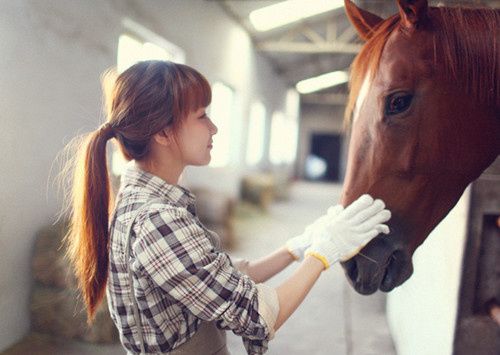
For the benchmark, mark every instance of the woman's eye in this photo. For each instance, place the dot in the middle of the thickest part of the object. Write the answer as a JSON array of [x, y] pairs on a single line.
[[397, 103]]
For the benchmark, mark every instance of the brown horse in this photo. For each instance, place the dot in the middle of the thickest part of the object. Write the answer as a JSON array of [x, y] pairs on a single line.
[[424, 116]]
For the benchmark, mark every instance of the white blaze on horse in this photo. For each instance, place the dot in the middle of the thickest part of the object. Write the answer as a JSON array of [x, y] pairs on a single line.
[[424, 113]]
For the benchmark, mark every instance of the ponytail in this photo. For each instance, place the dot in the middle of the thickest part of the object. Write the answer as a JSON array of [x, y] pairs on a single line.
[[88, 235]]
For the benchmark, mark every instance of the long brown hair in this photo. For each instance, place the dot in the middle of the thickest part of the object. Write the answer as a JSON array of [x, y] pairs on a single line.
[[143, 100]]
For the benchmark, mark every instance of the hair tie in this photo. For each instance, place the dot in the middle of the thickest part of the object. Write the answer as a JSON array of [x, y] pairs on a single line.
[[107, 130]]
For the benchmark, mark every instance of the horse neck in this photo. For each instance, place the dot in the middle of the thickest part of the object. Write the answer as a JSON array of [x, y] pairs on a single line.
[[484, 145], [467, 40]]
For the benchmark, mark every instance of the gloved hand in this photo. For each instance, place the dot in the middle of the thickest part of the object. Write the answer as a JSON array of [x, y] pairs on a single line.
[[298, 245], [344, 235]]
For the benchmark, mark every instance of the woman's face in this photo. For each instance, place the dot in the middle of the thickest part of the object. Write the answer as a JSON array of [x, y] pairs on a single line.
[[194, 138]]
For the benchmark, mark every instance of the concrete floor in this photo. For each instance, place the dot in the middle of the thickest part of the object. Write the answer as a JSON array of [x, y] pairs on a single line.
[[331, 320]]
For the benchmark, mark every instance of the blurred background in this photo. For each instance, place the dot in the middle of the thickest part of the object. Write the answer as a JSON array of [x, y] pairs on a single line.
[[279, 79]]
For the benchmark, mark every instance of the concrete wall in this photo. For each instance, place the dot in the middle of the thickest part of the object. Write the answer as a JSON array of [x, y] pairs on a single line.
[[422, 312], [325, 119], [52, 55]]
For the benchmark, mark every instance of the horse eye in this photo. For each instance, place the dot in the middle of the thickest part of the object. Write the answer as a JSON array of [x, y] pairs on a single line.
[[397, 103]]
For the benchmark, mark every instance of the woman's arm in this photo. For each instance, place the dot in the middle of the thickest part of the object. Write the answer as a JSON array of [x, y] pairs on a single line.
[[292, 292], [263, 269]]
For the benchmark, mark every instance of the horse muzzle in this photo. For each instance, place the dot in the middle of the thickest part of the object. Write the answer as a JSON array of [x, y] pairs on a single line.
[[382, 264]]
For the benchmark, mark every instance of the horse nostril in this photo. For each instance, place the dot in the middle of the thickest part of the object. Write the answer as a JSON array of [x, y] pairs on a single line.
[[352, 270], [397, 271], [387, 280]]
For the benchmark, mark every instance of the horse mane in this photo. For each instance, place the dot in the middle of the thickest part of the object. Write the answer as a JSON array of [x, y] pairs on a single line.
[[469, 40]]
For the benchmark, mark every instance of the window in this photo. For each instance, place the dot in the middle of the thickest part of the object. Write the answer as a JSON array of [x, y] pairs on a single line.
[[284, 134], [256, 133], [139, 43], [278, 138], [132, 50], [291, 131], [221, 110], [292, 124]]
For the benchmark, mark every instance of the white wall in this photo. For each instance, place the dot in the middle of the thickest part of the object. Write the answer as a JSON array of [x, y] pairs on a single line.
[[422, 312], [51, 56]]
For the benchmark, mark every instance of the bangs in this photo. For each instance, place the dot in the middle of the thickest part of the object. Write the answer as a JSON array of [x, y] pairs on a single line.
[[191, 91]]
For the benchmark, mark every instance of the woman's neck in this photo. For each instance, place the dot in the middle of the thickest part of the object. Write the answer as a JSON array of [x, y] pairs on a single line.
[[167, 171]]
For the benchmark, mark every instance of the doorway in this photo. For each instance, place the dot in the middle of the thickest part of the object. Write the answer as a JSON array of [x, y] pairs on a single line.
[[323, 161]]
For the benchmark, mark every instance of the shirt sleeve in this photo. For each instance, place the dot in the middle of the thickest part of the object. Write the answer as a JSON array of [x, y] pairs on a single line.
[[176, 254], [240, 264], [255, 346]]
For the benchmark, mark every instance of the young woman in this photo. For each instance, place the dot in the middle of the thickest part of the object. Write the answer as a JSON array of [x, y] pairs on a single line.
[[170, 288]]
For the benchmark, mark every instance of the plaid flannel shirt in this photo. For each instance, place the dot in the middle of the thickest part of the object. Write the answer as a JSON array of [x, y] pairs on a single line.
[[181, 276]]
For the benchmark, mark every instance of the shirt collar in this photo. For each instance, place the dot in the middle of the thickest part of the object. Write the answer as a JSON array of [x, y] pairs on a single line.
[[155, 186]]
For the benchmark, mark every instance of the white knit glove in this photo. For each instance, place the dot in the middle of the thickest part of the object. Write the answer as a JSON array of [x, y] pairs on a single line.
[[344, 235], [298, 245]]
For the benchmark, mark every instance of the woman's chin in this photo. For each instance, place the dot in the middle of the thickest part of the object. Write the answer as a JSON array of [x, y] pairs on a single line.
[[203, 162]]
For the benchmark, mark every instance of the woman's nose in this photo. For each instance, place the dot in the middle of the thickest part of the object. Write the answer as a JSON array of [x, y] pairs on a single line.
[[213, 128]]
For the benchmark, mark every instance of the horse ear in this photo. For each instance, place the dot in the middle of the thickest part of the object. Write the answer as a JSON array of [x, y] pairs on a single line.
[[413, 12], [364, 21]]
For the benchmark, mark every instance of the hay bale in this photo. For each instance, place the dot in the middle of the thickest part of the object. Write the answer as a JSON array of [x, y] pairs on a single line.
[[56, 306], [49, 266], [216, 211], [258, 189]]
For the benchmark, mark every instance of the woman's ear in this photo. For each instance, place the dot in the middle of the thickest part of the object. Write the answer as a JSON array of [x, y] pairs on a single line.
[[365, 22], [163, 137]]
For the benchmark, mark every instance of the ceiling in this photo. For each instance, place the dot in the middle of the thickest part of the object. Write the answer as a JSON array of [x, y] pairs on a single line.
[[319, 44]]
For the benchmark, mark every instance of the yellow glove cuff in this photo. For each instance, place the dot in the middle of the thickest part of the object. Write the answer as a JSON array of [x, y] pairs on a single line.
[[320, 257]]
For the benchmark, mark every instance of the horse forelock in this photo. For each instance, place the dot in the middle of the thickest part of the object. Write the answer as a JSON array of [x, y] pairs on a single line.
[[469, 41], [367, 62]]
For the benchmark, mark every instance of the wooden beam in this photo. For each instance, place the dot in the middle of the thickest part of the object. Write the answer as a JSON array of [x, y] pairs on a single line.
[[308, 47], [324, 99], [331, 32], [312, 35], [348, 35]]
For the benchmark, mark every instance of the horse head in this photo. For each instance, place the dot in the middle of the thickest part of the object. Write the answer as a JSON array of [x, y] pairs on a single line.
[[424, 119]]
